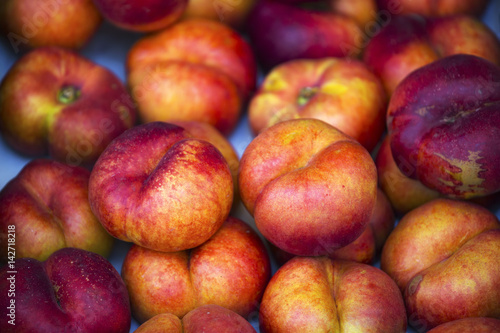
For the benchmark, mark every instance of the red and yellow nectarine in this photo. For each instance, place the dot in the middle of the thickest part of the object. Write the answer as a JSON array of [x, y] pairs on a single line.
[[231, 270], [158, 187], [310, 188]]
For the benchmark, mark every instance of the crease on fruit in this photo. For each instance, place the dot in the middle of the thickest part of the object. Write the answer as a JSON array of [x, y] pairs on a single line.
[[331, 276], [45, 207], [45, 109], [56, 294], [461, 114], [414, 284], [287, 112]]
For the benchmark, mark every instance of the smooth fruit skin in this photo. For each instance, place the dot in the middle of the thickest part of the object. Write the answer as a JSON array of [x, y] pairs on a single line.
[[200, 42], [206, 318], [231, 12], [310, 188], [327, 89], [36, 23], [215, 319], [281, 32], [409, 42], [158, 187], [73, 290], [463, 34], [142, 15], [47, 203], [457, 244], [207, 132], [432, 233], [367, 246], [231, 270], [469, 325], [435, 8], [363, 12], [160, 69], [213, 99], [398, 49], [317, 294], [54, 101], [163, 322], [472, 279], [404, 193], [450, 140]]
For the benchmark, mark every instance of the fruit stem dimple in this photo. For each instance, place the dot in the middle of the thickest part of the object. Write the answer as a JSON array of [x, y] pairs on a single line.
[[306, 94], [68, 94]]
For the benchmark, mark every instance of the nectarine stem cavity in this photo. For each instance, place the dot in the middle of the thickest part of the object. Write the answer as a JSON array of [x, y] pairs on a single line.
[[68, 94], [306, 94]]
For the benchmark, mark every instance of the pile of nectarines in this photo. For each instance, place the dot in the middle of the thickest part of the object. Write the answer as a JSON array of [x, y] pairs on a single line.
[[250, 165]]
